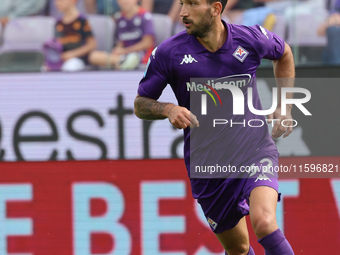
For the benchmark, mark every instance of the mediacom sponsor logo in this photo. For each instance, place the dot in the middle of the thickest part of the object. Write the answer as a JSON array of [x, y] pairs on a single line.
[[239, 80]]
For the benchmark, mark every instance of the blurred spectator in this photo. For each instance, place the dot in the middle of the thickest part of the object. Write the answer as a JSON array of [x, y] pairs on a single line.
[[169, 7], [135, 35], [74, 34], [333, 19], [105, 7], [51, 9], [331, 28], [10, 9], [296, 8], [250, 12]]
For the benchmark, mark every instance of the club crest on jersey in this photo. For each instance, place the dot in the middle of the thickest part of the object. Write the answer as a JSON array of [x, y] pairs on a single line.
[[240, 54], [212, 223]]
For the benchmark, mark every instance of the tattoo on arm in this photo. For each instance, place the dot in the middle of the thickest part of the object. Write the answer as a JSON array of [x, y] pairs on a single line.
[[149, 109]]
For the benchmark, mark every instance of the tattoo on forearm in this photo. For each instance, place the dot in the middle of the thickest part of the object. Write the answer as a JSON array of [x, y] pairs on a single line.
[[149, 109]]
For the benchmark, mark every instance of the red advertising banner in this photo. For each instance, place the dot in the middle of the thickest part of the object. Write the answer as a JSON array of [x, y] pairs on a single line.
[[141, 207]]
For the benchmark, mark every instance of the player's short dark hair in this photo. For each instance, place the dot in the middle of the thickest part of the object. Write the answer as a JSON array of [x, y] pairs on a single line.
[[223, 2]]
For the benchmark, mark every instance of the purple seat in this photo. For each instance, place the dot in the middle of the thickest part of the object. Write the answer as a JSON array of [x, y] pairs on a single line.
[[53, 12], [103, 28], [27, 33], [23, 39], [163, 27], [303, 30], [280, 26], [1, 38]]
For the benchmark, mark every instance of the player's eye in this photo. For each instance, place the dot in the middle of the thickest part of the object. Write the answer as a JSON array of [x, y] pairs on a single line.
[[193, 3]]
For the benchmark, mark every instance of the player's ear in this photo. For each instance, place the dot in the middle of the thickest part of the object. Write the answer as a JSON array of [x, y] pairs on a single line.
[[216, 8]]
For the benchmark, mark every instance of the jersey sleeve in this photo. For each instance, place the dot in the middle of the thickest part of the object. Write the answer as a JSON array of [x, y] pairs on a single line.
[[268, 44], [156, 75], [86, 30], [148, 28], [58, 29]]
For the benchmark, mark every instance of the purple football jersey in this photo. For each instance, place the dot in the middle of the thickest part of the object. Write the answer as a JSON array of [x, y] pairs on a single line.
[[182, 61]]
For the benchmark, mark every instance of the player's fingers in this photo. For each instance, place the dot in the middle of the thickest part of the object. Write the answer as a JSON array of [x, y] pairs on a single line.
[[180, 125], [275, 128], [193, 121], [270, 118], [175, 123], [290, 130], [183, 122], [284, 127], [281, 131], [278, 129], [189, 119], [179, 117], [337, 19]]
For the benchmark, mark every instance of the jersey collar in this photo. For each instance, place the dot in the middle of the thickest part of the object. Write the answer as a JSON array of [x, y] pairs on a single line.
[[198, 47]]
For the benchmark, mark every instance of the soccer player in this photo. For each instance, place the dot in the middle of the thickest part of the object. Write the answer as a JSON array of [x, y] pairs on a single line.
[[210, 48]]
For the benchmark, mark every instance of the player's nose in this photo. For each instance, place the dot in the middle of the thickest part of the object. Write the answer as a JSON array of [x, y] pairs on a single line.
[[184, 11]]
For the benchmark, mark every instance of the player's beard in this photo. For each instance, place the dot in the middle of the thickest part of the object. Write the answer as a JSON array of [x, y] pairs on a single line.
[[202, 27]]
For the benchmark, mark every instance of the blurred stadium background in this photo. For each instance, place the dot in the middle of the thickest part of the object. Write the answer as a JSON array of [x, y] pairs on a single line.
[[81, 175]]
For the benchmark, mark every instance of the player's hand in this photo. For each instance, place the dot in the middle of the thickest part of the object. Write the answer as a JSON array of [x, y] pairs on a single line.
[[67, 55], [118, 51], [4, 21], [182, 118], [280, 128], [334, 20]]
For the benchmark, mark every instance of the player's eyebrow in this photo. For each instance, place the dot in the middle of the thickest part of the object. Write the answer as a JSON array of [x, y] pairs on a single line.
[[187, 1]]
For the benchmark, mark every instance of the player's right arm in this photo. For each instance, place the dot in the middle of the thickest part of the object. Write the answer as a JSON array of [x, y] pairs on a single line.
[[157, 75], [151, 109]]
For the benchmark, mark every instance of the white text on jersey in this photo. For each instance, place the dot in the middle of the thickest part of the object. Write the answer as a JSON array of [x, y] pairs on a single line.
[[188, 59]]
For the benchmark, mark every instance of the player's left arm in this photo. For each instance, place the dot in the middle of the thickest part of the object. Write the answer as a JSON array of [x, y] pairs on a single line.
[[284, 72]]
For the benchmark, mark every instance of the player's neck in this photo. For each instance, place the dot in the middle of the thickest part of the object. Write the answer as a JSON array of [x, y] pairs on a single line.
[[215, 38], [70, 15]]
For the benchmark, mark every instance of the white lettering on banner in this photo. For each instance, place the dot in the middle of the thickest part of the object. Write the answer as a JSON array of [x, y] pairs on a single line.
[[336, 191], [87, 116], [200, 215], [152, 223], [204, 251], [287, 189], [84, 224], [13, 227]]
